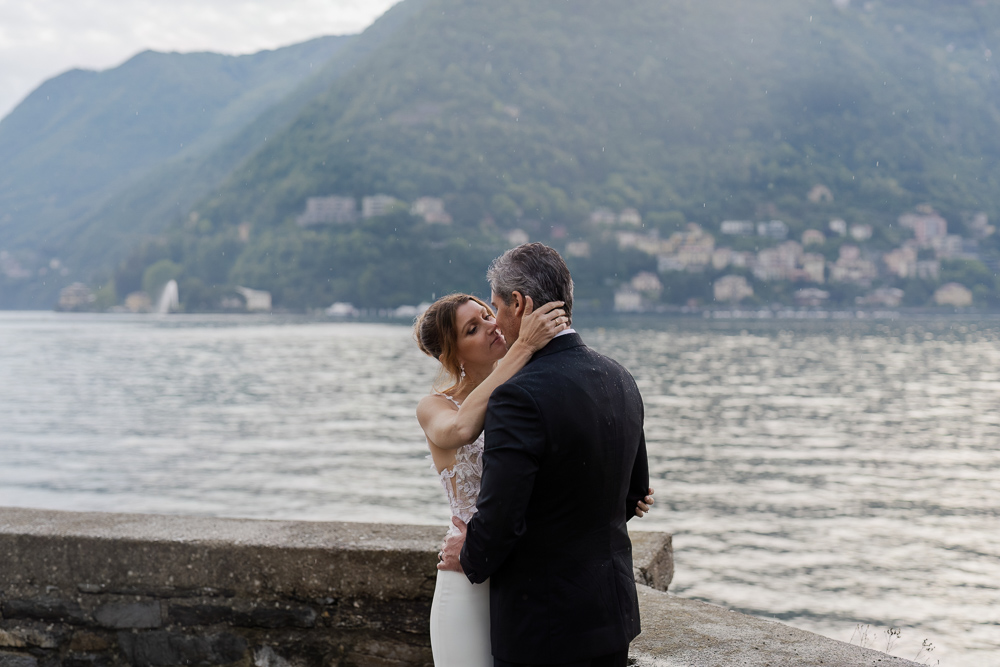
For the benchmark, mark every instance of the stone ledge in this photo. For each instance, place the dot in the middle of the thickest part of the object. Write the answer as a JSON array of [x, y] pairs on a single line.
[[110, 590], [653, 558], [176, 556], [688, 633], [180, 556]]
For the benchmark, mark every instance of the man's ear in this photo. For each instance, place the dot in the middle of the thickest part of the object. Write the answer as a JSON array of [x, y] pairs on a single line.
[[519, 303]]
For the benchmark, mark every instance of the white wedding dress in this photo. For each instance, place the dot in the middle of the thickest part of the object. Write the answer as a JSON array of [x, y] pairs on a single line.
[[460, 612]]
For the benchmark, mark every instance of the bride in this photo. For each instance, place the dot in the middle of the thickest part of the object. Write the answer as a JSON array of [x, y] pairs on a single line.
[[460, 331]]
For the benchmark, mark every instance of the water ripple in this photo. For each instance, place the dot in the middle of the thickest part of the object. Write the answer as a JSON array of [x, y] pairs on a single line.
[[822, 473]]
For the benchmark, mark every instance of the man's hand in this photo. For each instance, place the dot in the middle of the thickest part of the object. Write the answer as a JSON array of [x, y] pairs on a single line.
[[452, 548], [643, 507]]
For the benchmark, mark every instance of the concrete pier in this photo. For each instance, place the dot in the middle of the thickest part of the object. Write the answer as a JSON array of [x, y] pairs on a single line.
[[110, 590]]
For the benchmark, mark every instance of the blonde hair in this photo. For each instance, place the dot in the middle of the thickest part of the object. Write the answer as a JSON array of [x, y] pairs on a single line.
[[436, 333]]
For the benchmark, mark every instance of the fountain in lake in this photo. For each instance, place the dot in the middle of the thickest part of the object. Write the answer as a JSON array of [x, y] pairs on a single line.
[[169, 299]]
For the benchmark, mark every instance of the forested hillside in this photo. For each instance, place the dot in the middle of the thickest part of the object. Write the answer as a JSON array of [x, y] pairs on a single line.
[[84, 138], [534, 116]]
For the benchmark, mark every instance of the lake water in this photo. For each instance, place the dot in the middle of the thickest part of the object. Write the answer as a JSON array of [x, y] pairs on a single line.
[[826, 474]]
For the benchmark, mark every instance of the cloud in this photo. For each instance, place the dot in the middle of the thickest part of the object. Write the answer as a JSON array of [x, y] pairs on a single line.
[[42, 38]]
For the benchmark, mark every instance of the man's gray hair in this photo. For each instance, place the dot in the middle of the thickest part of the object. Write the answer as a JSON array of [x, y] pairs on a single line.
[[534, 270]]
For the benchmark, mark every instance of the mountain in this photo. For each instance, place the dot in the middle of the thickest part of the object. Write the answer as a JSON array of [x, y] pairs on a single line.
[[656, 105], [84, 137], [530, 116]]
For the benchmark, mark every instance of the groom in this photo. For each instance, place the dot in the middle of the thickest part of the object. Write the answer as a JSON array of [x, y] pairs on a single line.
[[563, 469]]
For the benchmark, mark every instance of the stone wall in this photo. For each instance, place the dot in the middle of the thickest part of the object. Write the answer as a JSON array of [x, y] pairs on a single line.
[[110, 590]]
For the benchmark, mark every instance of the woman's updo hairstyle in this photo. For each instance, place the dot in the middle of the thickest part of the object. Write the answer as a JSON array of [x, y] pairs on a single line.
[[436, 332]]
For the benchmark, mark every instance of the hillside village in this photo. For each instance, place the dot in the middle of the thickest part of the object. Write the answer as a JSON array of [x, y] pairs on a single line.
[[804, 262], [744, 260], [777, 258]]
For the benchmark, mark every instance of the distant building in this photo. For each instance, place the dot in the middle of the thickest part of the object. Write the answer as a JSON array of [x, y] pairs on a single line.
[[406, 312], [697, 255], [813, 267], [665, 263], [953, 294], [431, 209], [889, 297], [861, 232], [76, 297], [980, 226], [810, 297], [691, 249], [813, 237], [517, 237], [329, 210], [838, 226], [138, 302], [627, 300], [819, 193], [775, 229], [732, 289], [721, 258], [377, 205], [342, 309], [778, 263], [949, 246], [603, 216], [926, 224], [578, 249], [742, 260], [630, 217], [849, 253], [851, 268], [647, 284], [737, 227], [648, 243], [256, 300], [902, 261]]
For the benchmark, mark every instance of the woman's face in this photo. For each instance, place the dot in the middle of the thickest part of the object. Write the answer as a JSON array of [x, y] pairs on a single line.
[[480, 342]]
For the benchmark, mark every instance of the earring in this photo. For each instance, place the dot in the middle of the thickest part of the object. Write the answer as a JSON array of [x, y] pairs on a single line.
[[461, 367]]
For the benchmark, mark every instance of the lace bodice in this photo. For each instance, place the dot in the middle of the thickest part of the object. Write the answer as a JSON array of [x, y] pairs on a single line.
[[461, 481]]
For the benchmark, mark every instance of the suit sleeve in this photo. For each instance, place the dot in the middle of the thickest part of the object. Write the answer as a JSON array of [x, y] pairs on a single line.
[[638, 485], [515, 445]]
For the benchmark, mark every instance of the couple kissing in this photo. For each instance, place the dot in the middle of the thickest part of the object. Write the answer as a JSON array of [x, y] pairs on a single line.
[[540, 448]]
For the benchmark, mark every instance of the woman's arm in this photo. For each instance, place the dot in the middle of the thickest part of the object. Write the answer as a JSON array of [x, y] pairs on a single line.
[[451, 429]]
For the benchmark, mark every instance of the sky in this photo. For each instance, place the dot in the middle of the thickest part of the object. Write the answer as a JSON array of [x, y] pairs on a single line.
[[42, 38]]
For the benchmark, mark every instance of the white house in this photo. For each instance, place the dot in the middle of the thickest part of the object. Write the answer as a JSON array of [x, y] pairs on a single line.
[[630, 217], [329, 210], [627, 300], [257, 300], [376, 205], [953, 294], [431, 209], [737, 227], [732, 288], [776, 229]]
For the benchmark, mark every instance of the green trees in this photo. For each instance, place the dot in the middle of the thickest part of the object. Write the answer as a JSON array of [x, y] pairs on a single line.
[[524, 118]]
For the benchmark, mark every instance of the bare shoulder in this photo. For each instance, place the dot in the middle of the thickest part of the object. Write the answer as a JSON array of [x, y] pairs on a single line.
[[432, 405]]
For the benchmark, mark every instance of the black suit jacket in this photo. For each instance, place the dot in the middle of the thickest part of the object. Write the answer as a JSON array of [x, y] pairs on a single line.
[[563, 468]]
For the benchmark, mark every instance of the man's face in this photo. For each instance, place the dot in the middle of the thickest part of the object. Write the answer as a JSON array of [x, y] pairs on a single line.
[[508, 322]]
